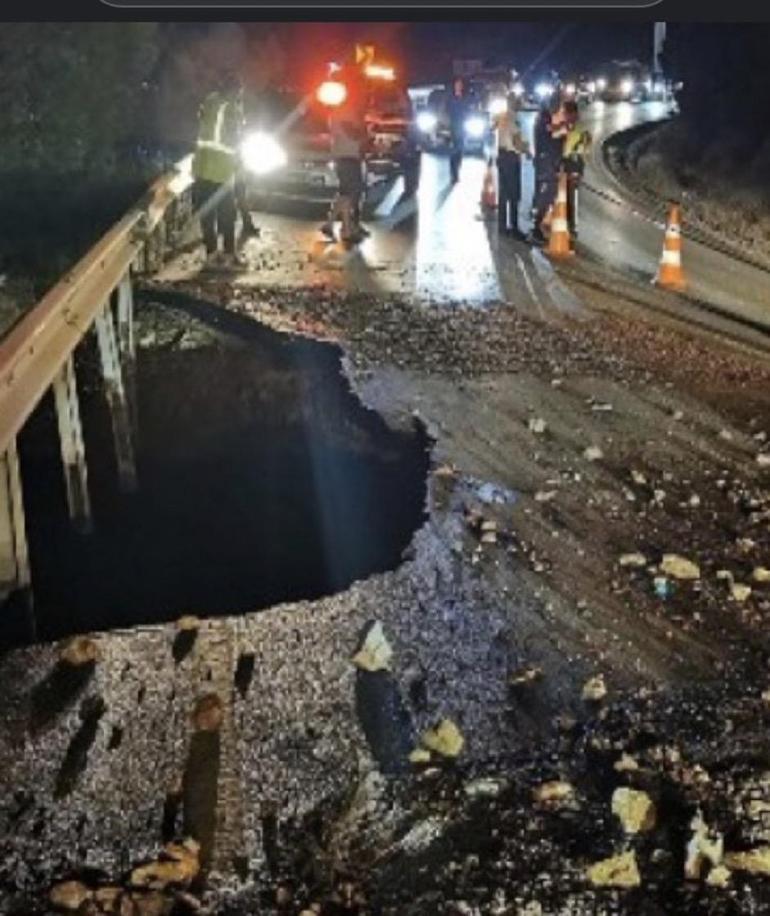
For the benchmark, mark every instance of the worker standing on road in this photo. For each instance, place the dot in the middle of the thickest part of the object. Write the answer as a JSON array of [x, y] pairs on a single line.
[[347, 127], [214, 168], [577, 143], [548, 154], [457, 111], [511, 146]]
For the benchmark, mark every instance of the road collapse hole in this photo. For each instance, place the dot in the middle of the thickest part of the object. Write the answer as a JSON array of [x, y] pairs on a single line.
[[262, 479]]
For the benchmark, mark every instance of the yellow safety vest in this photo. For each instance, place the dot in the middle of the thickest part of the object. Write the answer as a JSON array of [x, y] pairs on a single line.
[[218, 131]]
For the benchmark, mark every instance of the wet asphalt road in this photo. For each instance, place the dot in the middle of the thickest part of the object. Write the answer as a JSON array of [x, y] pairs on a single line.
[[623, 237], [439, 247]]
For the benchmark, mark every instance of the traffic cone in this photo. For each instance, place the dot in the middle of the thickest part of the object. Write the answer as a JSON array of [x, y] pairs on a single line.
[[670, 274], [560, 243], [488, 189]]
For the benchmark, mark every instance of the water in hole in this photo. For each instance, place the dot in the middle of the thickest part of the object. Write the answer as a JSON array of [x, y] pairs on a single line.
[[262, 479]]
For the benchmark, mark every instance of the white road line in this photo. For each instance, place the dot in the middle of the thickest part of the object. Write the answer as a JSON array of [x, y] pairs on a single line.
[[529, 285]]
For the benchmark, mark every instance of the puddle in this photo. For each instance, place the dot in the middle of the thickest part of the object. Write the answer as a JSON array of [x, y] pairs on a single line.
[[262, 480]]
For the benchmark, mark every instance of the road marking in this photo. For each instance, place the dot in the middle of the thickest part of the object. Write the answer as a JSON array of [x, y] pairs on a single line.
[[529, 285]]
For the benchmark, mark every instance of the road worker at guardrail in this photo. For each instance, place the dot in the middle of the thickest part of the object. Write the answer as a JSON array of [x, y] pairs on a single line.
[[215, 166]]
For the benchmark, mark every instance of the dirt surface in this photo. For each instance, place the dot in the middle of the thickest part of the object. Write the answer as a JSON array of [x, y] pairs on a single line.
[[560, 449]]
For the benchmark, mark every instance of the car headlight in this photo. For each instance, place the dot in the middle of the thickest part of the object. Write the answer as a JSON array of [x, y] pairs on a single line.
[[475, 127], [426, 121], [544, 90], [601, 84], [498, 105], [261, 154], [518, 89], [627, 87], [592, 86], [570, 89]]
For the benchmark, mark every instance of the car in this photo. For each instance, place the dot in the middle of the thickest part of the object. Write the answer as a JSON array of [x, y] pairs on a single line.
[[288, 146]]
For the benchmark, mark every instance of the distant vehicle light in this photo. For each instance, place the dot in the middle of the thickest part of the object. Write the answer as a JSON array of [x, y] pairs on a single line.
[[601, 84], [475, 127], [379, 72], [570, 89], [426, 121], [627, 87], [261, 154], [332, 93], [544, 90], [518, 89], [592, 86], [498, 105]]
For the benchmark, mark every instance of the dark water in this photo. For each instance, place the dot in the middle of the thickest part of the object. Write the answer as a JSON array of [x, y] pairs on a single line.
[[262, 479]]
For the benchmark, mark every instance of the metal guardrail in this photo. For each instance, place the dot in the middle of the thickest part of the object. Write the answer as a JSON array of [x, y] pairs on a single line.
[[39, 344], [37, 354]]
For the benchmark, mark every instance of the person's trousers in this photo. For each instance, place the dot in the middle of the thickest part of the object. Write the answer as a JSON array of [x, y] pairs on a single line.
[[218, 213], [546, 186], [509, 189], [573, 184], [456, 150]]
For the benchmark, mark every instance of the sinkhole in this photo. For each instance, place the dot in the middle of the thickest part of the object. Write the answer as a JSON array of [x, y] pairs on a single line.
[[262, 479]]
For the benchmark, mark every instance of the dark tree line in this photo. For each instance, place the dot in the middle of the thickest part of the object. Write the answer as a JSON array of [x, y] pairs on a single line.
[[725, 100]]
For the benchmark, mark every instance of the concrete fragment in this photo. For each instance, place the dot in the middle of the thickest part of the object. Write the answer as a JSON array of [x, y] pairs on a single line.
[[617, 871], [376, 653], [626, 764], [740, 592], [719, 876], [180, 864], [593, 453], [554, 792], [679, 567], [636, 560], [537, 425], [761, 574], [445, 739], [80, 651], [635, 810], [69, 895], [595, 689], [755, 861], [208, 713], [702, 848]]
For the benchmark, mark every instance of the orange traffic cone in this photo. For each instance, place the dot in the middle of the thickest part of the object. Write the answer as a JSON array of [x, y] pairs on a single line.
[[488, 189], [560, 243], [670, 274]]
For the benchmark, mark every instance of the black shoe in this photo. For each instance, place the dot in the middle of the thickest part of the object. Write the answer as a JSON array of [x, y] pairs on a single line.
[[327, 231], [249, 230], [536, 237], [364, 232]]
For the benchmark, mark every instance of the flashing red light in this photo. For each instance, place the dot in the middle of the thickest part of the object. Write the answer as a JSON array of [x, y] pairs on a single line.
[[332, 93]]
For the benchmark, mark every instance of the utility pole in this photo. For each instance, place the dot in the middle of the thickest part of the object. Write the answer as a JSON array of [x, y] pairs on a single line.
[[659, 40]]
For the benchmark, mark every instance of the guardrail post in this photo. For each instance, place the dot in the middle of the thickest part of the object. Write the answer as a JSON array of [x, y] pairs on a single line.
[[14, 555], [116, 397], [127, 343], [72, 449]]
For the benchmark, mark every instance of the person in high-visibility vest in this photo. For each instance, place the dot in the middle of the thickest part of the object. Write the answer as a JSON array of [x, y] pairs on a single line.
[[577, 144], [215, 165]]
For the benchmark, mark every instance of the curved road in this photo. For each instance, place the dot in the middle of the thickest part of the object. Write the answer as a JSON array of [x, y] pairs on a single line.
[[620, 235]]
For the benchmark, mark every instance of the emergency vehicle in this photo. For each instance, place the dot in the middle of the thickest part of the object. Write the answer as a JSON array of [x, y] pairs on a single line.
[[288, 151]]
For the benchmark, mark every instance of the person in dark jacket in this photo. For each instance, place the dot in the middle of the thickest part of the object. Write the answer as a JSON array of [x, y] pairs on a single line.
[[457, 111], [548, 142]]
